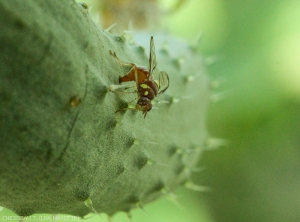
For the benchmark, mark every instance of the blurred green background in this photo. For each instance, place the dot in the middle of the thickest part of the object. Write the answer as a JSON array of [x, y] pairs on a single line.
[[252, 50], [256, 48]]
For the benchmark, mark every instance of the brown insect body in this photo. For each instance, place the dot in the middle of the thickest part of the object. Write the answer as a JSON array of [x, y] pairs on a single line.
[[147, 87], [142, 73]]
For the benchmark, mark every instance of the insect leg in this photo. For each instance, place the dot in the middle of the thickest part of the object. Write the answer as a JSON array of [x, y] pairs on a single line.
[[113, 54], [136, 76], [120, 89], [132, 100], [125, 109], [125, 92], [128, 87]]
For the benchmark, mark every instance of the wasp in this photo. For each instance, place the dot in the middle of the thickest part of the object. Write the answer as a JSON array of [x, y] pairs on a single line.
[[147, 87]]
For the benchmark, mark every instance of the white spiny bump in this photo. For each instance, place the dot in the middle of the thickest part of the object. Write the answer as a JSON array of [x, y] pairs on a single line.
[[214, 143], [90, 8], [164, 190], [198, 169], [110, 27], [163, 101], [196, 42], [164, 46], [140, 205], [181, 60], [215, 84], [187, 170], [88, 202], [191, 186], [136, 142], [129, 215], [150, 162], [212, 59], [115, 88], [220, 96], [175, 100], [150, 142], [128, 171], [174, 200], [97, 18], [109, 218], [190, 78], [179, 150]]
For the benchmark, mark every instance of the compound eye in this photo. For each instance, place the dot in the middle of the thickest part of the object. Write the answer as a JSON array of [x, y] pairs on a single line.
[[149, 106], [143, 101], [144, 104]]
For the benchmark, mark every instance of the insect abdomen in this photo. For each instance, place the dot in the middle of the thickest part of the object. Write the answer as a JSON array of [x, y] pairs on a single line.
[[136, 72]]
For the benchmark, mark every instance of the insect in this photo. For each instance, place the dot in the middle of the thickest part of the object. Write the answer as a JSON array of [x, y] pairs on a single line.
[[147, 87]]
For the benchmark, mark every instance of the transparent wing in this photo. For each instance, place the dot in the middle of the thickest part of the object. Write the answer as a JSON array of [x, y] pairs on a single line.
[[152, 59], [163, 82], [163, 78]]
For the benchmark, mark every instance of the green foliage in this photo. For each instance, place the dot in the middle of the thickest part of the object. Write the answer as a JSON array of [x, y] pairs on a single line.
[[63, 147]]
